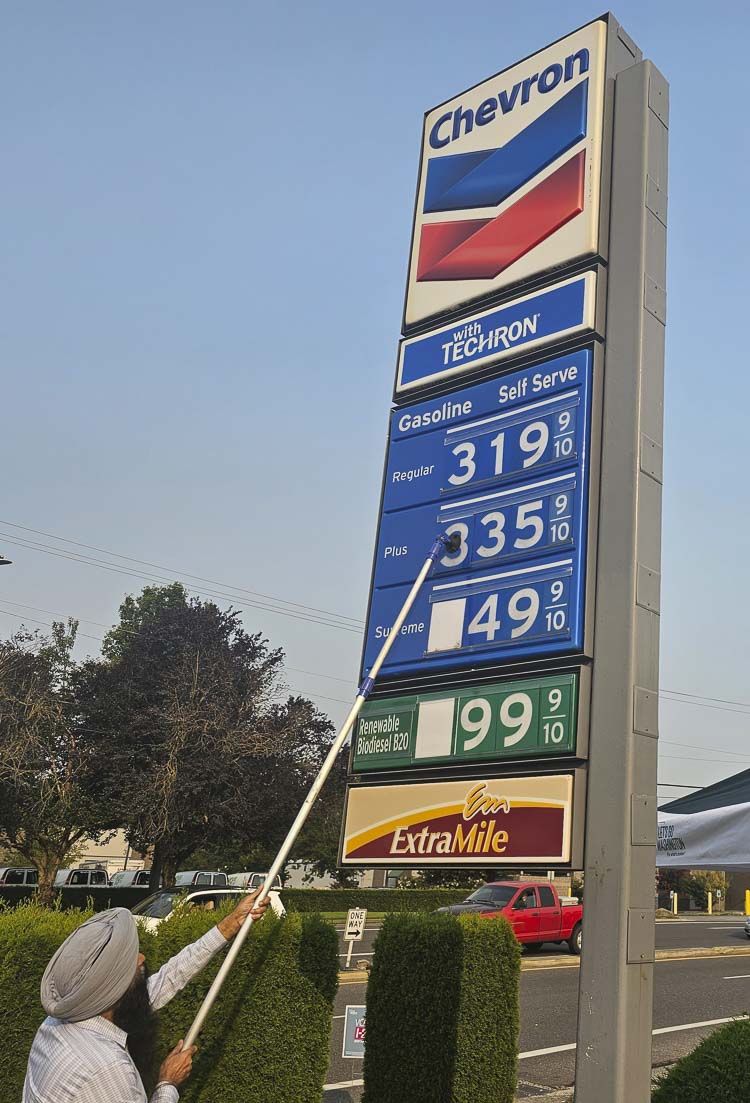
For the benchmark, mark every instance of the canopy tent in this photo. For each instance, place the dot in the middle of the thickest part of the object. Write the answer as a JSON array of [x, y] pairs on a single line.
[[709, 829]]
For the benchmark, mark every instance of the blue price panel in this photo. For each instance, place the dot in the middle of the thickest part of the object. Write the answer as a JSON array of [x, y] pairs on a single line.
[[534, 518], [488, 451], [520, 612], [504, 464]]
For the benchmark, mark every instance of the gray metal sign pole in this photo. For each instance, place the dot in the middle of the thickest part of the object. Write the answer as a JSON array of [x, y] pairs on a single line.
[[613, 1063]]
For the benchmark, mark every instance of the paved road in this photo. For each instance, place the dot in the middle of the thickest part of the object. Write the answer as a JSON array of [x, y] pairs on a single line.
[[686, 992], [671, 934]]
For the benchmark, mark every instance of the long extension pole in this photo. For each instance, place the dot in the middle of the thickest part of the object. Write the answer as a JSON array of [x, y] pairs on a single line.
[[442, 543]]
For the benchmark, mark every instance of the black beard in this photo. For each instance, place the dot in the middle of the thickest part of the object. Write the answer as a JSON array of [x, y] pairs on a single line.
[[134, 1014]]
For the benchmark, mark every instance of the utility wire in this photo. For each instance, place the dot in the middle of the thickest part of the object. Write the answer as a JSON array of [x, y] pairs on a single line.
[[34, 620], [702, 697], [88, 561], [46, 623], [698, 747], [185, 574]]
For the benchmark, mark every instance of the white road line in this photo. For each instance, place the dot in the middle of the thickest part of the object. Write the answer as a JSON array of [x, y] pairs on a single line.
[[739, 976], [694, 1026], [370, 954], [339, 1016], [570, 1045], [661, 1030], [544, 1052]]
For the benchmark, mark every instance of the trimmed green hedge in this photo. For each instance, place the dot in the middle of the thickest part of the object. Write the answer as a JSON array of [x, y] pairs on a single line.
[[376, 900], [98, 898], [296, 900], [29, 936], [277, 1001], [442, 1011], [717, 1070]]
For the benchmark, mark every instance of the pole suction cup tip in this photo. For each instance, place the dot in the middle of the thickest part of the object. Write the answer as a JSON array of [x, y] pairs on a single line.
[[453, 542]]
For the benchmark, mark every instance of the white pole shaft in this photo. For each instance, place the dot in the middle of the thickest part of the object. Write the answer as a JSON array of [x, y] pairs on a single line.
[[310, 799], [349, 953]]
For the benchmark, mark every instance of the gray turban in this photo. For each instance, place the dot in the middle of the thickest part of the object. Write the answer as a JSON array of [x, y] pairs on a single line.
[[93, 968]]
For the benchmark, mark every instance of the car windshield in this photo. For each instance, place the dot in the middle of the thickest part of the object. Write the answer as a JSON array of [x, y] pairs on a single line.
[[157, 906], [497, 895]]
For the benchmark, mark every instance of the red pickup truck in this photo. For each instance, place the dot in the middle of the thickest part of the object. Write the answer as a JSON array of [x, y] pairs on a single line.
[[533, 909]]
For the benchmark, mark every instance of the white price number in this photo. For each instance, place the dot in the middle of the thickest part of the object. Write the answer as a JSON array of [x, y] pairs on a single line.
[[554, 730], [523, 608]]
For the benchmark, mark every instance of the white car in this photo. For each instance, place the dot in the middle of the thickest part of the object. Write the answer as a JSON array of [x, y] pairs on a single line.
[[160, 905], [249, 880]]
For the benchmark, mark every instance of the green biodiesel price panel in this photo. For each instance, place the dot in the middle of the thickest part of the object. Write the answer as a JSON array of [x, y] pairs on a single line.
[[507, 720]]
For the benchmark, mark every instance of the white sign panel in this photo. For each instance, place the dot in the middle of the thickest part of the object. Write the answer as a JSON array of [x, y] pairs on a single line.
[[355, 924], [716, 838], [510, 178]]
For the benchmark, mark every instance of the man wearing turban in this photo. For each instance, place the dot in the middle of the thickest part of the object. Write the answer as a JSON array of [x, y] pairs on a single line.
[[98, 1042]]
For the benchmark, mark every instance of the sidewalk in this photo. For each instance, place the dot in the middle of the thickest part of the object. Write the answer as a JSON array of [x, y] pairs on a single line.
[[527, 1091]]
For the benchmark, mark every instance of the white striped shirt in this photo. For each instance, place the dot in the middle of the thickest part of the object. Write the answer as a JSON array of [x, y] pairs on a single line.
[[88, 1062]]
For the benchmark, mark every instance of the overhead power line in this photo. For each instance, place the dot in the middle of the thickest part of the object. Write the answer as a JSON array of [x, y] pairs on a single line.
[[219, 595], [702, 697], [185, 574]]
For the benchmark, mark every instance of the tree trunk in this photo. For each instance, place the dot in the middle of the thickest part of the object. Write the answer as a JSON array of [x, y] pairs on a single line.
[[47, 863], [157, 864]]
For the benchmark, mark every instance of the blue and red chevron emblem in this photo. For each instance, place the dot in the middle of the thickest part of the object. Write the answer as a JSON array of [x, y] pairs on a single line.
[[482, 248]]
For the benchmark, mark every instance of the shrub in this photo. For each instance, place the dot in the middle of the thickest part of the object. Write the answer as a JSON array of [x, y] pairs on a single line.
[[442, 1011], [296, 900], [377, 900], [29, 936], [277, 1001], [718, 1069]]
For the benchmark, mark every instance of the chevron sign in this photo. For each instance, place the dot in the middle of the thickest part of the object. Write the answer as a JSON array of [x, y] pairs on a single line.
[[510, 179]]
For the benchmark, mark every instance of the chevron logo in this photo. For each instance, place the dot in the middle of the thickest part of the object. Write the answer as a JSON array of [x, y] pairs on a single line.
[[482, 248]]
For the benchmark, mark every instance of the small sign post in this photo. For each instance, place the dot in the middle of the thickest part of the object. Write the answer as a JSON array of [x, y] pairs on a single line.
[[355, 928], [354, 1031]]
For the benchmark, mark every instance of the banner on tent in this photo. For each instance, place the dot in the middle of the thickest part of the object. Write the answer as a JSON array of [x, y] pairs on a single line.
[[714, 839]]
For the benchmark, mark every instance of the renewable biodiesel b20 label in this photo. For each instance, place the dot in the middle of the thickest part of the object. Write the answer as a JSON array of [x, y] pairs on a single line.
[[528, 717]]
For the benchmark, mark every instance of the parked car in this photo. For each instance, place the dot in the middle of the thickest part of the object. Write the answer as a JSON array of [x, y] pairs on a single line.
[[87, 877], [533, 909], [130, 878], [747, 926], [245, 880], [160, 905], [15, 876], [200, 877]]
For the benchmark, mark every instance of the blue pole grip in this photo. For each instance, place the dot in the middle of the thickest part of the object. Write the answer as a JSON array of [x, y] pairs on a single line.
[[366, 688]]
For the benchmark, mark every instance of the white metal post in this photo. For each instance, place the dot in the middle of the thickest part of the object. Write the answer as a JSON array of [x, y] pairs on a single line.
[[439, 546]]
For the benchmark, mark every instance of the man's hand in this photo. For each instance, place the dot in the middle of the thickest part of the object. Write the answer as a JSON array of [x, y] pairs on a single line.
[[235, 919], [177, 1065]]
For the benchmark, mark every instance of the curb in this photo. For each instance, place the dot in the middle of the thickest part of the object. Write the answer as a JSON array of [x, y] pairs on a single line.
[[566, 1095], [571, 961]]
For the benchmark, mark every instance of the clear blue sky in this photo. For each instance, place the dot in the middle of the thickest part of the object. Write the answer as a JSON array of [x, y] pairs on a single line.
[[207, 212]]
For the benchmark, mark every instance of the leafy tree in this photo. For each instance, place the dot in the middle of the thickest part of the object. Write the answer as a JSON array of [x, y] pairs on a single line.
[[702, 881], [319, 840], [203, 750], [458, 878], [50, 797]]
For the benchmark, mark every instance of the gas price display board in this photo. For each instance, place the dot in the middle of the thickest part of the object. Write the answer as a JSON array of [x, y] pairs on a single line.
[[505, 464], [529, 717]]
